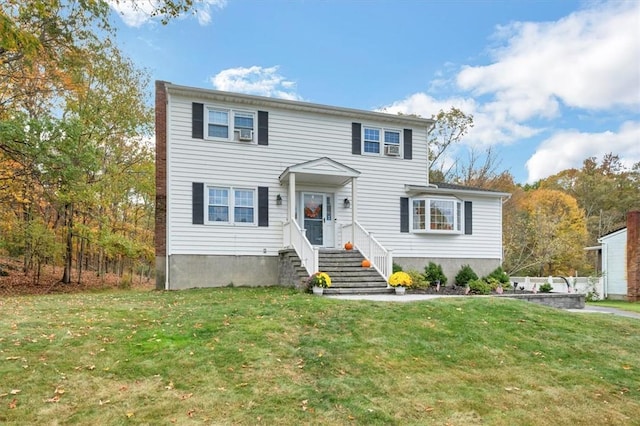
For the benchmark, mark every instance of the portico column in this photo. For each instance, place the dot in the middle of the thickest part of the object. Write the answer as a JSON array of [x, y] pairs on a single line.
[[292, 197], [354, 205]]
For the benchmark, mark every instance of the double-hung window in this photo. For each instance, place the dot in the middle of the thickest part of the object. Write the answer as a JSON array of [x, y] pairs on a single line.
[[371, 140], [231, 205], [391, 142], [230, 125], [437, 215], [379, 141], [218, 123]]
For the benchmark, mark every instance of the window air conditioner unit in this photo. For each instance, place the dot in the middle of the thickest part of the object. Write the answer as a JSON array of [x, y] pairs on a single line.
[[392, 150], [245, 134]]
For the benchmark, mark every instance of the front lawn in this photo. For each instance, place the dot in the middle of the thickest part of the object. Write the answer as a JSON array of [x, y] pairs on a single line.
[[274, 356]]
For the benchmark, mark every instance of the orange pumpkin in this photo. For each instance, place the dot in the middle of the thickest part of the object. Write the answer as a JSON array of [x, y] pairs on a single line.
[[366, 263], [348, 246]]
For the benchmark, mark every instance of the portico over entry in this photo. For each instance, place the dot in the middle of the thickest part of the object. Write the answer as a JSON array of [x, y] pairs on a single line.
[[313, 210]]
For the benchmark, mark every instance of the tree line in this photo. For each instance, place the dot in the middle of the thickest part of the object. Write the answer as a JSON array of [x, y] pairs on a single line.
[[547, 225], [76, 160]]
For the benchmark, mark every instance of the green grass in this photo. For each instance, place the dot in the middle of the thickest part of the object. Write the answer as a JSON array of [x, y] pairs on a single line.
[[618, 304], [274, 356]]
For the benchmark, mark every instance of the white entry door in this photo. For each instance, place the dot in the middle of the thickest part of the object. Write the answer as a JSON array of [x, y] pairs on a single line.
[[317, 214]]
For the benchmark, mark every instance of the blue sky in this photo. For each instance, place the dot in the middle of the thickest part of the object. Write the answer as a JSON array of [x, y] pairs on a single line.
[[549, 83]]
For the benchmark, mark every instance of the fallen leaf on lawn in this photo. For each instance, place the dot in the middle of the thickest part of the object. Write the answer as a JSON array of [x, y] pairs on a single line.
[[54, 399], [130, 414], [511, 388], [186, 396], [169, 386], [15, 391], [11, 358], [626, 367], [13, 404], [104, 402]]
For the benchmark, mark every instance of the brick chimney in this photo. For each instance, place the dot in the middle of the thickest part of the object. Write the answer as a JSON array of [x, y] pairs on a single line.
[[633, 256], [161, 183]]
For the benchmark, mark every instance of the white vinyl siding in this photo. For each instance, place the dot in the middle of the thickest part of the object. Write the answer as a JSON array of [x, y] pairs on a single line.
[[296, 137], [614, 262]]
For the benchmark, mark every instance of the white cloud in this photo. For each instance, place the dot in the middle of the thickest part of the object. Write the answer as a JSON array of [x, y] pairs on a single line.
[[256, 80], [136, 13], [544, 76], [587, 60], [568, 149], [491, 125]]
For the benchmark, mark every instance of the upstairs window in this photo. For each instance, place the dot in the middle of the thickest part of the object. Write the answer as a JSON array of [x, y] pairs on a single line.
[[371, 140], [380, 141], [436, 215], [231, 125], [218, 124]]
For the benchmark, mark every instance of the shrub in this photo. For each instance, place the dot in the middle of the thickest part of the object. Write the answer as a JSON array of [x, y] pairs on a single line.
[[493, 283], [418, 279], [546, 288], [433, 273], [479, 286], [465, 275], [500, 275], [396, 268]]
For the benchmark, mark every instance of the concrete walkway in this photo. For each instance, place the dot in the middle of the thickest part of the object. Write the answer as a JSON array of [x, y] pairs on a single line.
[[417, 297]]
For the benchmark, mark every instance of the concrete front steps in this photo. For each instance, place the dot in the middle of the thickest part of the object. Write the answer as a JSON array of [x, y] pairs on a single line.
[[347, 274], [343, 266]]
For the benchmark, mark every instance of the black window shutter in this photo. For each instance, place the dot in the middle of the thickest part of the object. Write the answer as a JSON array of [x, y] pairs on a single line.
[[197, 120], [263, 206], [197, 196], [468, 222], [263, 128], [356, 138], [404, 214], [408, 144]]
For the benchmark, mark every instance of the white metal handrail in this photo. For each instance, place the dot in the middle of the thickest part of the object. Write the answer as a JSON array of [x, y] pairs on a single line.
[[381, 259], [295, 237]]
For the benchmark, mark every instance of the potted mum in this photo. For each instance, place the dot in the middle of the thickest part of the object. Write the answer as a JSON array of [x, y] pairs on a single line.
[[319, 281], [400, 281]]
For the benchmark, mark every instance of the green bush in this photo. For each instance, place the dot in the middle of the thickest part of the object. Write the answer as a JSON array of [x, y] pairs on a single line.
[[500, 275], [493, 283], [465, 275], [396, 268], [433, 273], [479, 286], [546, 288], [418, 279]]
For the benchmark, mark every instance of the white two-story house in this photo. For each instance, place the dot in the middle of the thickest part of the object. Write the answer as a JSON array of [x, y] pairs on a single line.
[[240, 178]]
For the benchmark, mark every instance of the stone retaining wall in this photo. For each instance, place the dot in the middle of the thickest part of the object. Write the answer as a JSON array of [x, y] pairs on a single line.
[[555, 300]]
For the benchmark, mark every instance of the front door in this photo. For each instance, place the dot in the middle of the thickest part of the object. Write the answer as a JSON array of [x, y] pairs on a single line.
[[317, 211]]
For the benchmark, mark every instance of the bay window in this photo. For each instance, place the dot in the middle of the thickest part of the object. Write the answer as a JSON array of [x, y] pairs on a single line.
[[437, 215]]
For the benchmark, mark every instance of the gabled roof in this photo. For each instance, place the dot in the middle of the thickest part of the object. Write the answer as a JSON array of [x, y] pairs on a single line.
[[323, 171], [266, 102], [441, 188], [612, 234]]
